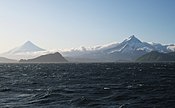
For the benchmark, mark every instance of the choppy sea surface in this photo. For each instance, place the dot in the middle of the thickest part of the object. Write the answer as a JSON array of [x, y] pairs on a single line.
[[96, 85]]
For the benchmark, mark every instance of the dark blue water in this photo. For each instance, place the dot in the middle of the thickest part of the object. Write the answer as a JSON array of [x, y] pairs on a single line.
[[98, 85]]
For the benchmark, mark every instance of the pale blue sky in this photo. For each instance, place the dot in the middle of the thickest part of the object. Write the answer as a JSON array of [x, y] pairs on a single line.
[[63, 24]]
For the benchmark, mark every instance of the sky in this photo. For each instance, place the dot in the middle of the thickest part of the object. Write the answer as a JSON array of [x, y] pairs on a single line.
[[65, 24]]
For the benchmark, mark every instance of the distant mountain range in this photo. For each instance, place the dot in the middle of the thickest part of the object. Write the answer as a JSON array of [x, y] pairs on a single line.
[[155, 56], [128, 50]]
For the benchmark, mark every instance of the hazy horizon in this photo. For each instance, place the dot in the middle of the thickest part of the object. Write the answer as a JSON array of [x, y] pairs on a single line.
[[65, 24]]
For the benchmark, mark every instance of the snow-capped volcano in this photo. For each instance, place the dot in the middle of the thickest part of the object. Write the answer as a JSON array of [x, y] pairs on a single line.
[[25, 51], [26, 47]]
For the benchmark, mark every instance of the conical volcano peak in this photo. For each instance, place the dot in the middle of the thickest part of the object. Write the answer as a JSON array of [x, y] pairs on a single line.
[[28, 43], [26, 47], [29, 46]]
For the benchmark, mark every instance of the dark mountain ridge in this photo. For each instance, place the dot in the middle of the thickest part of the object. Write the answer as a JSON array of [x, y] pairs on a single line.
[[48, 58], [155, 56]]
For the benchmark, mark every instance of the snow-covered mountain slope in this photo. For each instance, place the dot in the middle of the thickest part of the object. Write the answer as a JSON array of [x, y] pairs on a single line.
[[171, 47], [160, 48], [130, 45], [130, 49]]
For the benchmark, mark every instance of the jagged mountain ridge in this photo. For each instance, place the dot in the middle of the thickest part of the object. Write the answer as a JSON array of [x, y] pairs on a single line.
[[129, 45], [128, 50]]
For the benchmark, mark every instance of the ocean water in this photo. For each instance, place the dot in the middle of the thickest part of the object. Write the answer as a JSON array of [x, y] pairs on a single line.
[[96, 85]]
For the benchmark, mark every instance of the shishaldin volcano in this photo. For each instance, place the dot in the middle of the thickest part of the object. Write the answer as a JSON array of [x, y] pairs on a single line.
[[27, 50], [26, 47]]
